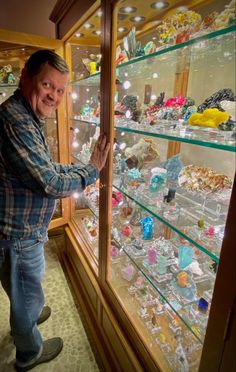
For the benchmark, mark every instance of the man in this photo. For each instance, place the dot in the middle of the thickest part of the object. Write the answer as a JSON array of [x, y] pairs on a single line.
[[30, 183]]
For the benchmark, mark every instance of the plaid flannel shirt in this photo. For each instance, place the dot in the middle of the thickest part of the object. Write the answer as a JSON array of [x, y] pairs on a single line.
[[30, 181]]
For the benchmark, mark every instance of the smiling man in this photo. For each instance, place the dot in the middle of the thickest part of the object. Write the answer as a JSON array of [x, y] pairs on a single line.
[[30, 183]]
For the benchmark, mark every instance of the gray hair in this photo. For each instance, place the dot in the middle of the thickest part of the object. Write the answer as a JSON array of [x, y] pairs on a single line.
[[45, 56]]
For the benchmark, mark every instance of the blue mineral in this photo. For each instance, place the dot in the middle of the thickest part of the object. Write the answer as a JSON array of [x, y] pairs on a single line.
[[173, 167]]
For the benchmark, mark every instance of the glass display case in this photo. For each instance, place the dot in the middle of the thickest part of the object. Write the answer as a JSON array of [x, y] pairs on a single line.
[[173, 170], [84, 56], [145, 243]]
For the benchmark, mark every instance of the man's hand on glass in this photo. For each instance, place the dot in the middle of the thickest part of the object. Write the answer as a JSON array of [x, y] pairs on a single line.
[[100, 152]]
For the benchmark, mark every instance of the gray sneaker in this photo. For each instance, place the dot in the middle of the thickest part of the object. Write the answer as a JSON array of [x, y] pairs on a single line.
[[51, 348]]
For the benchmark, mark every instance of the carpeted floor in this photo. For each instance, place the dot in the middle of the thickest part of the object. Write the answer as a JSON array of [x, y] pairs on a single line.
[[65, 321]]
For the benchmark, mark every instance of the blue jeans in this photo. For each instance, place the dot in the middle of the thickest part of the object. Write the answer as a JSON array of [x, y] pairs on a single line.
[[22, 267]]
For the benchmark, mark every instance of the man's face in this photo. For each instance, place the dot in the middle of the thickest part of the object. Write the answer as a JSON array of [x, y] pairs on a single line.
[[44, 91]]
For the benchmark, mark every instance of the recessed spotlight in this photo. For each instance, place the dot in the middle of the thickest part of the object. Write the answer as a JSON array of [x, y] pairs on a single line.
[[160, 5], [79, 34], [137, 19], [122, 29], [128, 9], [88, 25], [97, 32], [99, 13]]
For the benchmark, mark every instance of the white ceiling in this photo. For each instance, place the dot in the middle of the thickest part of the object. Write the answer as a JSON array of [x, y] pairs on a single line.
[[29, 16]]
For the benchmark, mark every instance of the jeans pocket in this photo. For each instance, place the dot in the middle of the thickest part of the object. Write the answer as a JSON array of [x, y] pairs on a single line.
[[31, 257]]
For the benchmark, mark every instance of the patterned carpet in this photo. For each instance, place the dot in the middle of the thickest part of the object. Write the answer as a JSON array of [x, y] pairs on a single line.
[[65, 321]]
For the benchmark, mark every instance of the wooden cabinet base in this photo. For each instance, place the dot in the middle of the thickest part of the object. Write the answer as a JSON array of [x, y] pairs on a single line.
[[115, 352]]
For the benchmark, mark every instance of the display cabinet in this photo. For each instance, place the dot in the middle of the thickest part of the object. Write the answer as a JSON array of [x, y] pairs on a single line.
[[15, 48], [150, 245], [173, 173]]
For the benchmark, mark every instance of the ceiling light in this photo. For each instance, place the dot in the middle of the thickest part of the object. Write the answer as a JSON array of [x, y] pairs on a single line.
[[88, 25], [79, 34], [122, 29], [99, 13], [160, 5], [97, 32], [128, 9], [137, 19]]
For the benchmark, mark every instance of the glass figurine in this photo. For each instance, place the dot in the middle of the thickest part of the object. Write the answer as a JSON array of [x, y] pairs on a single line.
[[158, 179], [147, 228], [161, 264], [185, 256]]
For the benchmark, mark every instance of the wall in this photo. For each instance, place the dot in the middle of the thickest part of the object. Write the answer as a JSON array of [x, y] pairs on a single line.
[[29, 16]]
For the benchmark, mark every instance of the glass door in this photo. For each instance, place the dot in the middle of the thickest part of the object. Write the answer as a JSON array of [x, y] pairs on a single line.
[[173, 170], [84, 57]]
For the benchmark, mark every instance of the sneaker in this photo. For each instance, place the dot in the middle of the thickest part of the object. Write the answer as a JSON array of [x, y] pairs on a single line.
[[51, 348]]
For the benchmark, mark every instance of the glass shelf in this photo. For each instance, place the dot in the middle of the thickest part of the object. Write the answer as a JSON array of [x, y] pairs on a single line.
[[176, 131], [187, 223], [4, 85], [213, 35], [184, 302], [87, 120], [94, 79], [180, 310], [89, 81]]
